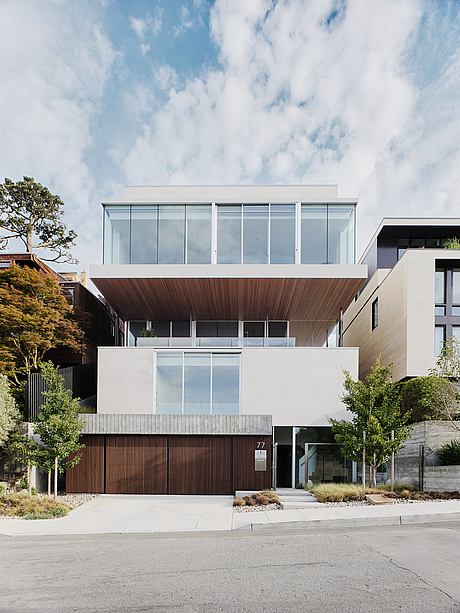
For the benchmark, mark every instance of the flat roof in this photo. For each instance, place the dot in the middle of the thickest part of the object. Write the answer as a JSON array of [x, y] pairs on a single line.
[[230, 194], [409, 222]]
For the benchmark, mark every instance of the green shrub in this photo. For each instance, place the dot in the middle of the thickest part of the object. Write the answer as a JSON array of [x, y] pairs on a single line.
[[339, 492], [23, 482], [31, 507], [449, 453], [3, 487]]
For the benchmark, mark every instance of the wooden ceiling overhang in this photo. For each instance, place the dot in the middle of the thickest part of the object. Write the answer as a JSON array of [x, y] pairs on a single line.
[[295, 292]]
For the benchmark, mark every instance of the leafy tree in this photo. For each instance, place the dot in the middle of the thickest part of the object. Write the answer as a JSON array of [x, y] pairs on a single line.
[[58, 423], [34, 318], [31, 213], [375, 406], [27, 452], [421, 396], [447, 370], [9, 414]]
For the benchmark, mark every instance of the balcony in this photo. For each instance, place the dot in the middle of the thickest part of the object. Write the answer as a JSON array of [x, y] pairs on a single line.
[[153, 341]]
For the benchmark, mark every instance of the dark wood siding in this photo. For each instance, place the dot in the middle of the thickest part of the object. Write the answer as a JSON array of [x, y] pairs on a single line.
[[200, 464], [136, 464], [244, 475], [88, 475], [173, 464]]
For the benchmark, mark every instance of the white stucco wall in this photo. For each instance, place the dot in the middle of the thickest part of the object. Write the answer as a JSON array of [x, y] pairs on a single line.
[[125, 382], [297, 386]]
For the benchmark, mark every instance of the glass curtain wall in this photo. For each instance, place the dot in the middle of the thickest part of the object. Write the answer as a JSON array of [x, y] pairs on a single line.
[[282, 234], [198, 383], [249, 234]]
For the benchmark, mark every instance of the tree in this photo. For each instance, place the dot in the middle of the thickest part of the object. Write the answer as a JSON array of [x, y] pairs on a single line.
[[9, 414], [377, 426], [34, 318], [27, 452], [421, 397], [58, 423], [31, 213], [447, 372]]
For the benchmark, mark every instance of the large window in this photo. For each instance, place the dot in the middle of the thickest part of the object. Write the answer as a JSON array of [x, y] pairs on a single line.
[[243, 233], [447, 303], [314, 234], [116, 234], [198, 234], [198, 383], [229, 234], [255, 235], [282, 234]]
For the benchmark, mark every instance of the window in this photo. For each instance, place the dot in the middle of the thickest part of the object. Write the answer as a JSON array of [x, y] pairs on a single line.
[[375, 313], [199, 234], [254, 329], [229, 234], [439, 337], [340, 234], [282, 234], [314, 234], [456, 286], [181, 329], [255, 234], [116, 234], [169, 382], [171, 234], [198, 383], [160, 328], [214, 329], [277, 329], [447, 301], [135, 328], [144, 226]]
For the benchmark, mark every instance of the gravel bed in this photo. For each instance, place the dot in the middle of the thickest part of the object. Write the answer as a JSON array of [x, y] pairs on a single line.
[[73, 500], [364, 503], [259, 507]]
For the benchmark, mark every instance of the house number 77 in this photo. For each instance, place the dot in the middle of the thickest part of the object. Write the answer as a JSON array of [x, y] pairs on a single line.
[[260, 444]]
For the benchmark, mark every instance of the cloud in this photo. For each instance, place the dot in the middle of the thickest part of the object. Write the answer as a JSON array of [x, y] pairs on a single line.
[[189, 19], [165, 77], [56, 62], [149, 25]]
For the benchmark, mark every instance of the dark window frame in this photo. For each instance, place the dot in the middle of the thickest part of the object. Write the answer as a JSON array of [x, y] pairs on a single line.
[[375, 314]]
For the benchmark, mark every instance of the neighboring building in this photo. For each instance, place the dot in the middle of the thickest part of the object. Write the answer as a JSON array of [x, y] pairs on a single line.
[[411, 302], [231, 298], [100, 323]]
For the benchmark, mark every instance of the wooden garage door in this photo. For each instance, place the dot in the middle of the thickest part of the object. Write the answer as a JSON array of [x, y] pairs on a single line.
[[88, 475], [200, 464], [136, 464]]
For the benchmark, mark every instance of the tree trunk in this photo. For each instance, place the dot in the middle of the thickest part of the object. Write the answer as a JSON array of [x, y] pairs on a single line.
[[49, 483], [55, 478], [29, 474], [29, 239]]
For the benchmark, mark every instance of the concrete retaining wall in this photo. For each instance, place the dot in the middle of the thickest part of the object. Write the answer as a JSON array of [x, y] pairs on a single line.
[[442, 479]]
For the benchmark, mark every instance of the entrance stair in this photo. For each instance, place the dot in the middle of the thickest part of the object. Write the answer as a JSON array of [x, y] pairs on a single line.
[[291, 498]]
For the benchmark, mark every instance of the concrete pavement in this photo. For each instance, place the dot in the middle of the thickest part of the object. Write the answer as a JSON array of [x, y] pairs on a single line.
[[124, 514]]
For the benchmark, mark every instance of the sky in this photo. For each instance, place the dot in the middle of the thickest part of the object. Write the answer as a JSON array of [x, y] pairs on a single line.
[[99, 94]]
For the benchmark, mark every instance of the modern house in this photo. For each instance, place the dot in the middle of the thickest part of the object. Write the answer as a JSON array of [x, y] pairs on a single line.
[[411, 302], [232, 298]]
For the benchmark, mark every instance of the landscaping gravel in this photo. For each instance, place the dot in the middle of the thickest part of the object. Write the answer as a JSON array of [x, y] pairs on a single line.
[[260, 507], [74, 500]]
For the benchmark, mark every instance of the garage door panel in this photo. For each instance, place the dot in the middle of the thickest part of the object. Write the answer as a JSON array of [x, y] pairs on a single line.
[[189, 465], [136, 464], [88, 475]]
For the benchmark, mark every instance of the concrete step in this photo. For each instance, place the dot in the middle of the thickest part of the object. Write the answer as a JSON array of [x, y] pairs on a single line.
[[288, 504], [285, 492]]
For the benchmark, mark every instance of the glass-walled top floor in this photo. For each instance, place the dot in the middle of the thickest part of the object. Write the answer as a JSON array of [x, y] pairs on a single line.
[[229, 234]]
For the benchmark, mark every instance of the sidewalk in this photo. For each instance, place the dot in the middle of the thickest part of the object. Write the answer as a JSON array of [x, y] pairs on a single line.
[[350, 516], [126, 514]]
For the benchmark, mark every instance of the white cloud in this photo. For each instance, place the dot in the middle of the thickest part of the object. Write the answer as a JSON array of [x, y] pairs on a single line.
[[189, 19], [145, 48], [56, 61], [151, 24], [165, 77]]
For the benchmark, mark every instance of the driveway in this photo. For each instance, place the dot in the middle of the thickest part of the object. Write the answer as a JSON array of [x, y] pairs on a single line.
[[124, 513]]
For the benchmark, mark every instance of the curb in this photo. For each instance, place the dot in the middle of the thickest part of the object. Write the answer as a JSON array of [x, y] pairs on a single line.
[[392, 520]]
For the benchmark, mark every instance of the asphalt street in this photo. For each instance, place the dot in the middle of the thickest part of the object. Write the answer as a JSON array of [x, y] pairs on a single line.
[[394, 568]]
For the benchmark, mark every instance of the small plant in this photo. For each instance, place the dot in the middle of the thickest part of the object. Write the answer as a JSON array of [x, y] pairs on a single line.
[[452, 243], [23, 482], [449, 453], [3, 487], [147, 334], [262, 499]]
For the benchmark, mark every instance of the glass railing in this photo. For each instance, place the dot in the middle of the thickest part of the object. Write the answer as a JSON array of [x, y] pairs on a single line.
[[154, 341]]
